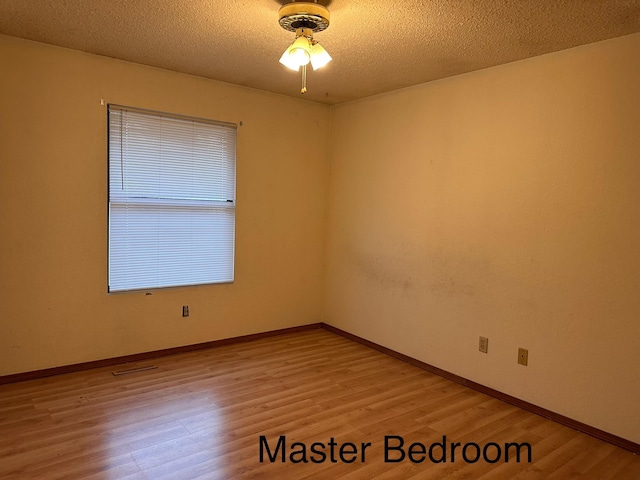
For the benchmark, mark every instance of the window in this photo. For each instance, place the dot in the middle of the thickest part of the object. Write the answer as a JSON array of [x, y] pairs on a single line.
[[171, 200]]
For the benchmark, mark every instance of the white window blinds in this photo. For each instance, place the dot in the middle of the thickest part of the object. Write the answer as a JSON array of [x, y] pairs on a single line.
[[171, 200]]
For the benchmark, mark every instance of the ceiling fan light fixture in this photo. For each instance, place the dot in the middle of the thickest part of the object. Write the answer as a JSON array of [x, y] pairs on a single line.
[[304, 18]]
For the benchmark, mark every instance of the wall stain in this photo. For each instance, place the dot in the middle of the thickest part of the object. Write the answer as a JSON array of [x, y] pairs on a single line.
[[449, 286], [396, 273], [382, 272]]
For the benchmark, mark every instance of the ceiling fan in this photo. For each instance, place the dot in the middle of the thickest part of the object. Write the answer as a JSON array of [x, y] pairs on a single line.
[[305, 19]]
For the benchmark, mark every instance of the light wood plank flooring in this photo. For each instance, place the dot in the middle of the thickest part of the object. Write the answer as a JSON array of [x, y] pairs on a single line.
[[200, 415]]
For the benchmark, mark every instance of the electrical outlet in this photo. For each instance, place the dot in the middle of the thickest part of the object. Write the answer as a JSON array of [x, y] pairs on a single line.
[[523, 356], [185, 310], [483, 345]]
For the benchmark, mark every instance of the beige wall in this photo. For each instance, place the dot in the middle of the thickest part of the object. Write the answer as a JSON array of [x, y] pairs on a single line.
[[502, 203], [54, 307]]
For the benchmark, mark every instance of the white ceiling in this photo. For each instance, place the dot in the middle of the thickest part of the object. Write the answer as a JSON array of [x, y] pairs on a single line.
[[377, 45]]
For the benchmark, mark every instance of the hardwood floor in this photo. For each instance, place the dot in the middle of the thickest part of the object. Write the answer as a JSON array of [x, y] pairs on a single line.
[[201, 415]]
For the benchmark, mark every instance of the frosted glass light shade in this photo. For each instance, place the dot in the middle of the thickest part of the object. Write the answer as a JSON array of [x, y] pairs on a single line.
[[298, 54], [287, 61], [319, 56], [300, 51]]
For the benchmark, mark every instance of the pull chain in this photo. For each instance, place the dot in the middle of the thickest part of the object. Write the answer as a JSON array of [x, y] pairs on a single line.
[[304, 79]]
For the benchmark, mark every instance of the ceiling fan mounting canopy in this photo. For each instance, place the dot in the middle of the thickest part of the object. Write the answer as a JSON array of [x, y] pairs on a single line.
[[303, 15]]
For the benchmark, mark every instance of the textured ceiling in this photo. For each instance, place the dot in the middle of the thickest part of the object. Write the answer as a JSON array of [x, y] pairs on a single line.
[[377, 45]]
